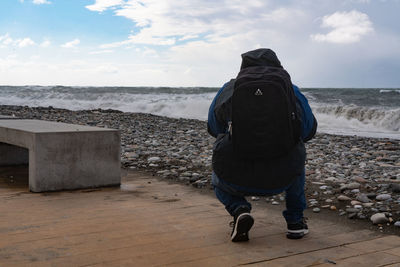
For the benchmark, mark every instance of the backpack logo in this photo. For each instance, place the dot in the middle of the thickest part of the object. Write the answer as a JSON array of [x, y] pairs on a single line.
[[258, 92]]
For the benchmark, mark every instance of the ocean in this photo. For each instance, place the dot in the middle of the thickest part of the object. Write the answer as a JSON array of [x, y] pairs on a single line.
[[371, 112]]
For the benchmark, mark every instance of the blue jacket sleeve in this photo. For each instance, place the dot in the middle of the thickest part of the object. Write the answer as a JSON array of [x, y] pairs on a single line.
[[213, 125], [309, 123]]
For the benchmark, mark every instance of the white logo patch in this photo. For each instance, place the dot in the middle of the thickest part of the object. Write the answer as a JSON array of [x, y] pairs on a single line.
[[258, 92]]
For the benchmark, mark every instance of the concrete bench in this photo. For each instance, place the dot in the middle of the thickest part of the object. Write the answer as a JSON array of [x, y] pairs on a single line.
[[61, 156]]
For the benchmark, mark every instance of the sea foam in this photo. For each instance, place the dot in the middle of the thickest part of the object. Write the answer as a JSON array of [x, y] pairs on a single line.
[[334, 109]]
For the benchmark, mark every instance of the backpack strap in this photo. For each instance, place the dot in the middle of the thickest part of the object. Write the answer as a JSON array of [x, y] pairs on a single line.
[[223, 104]]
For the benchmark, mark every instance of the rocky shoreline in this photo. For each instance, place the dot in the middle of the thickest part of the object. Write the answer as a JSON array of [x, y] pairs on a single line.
[[352, 176]]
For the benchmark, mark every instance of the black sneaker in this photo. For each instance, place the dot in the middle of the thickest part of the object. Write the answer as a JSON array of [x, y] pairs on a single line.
[[242, 224], [297, 230]]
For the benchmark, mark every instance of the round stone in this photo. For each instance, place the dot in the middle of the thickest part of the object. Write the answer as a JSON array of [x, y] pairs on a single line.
[[379, 218], [383, 197], [343, 198], [352, 210], [351, 186], [154, 159], [363, 198], [316, 210]]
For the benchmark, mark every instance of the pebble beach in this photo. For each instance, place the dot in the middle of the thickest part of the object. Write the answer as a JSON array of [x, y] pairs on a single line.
[[351, 176]]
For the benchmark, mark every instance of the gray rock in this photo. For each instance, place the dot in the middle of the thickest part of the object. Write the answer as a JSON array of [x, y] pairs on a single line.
[[383, 208], [383, 197], [154, 159], [368, 205], [131, 155], [343, 198], [359, 179], [397, 224], [395, 188], [352, 210], [363, 198], [379, 218], [200, 183], [186, 174], [350, 186], [361, 216], [195, 175], [316, 210], [331, 179]]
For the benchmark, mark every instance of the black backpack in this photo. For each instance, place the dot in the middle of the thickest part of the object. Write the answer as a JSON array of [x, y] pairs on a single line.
[[265, 120]]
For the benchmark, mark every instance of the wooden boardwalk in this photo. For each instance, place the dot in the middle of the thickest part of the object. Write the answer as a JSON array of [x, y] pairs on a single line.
[[148, 222]]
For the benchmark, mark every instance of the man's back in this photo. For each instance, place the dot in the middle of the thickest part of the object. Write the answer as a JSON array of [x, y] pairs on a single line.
[[260, 122]]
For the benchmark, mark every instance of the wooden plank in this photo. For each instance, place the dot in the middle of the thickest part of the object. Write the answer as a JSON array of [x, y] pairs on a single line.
[[161, 224], [394, 251], [302, 259], [377, 244], [370, 259]]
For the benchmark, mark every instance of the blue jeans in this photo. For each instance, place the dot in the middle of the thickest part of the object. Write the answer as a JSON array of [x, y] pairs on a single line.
[[233, 196]]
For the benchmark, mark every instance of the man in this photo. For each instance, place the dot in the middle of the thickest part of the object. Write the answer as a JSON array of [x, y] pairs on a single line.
[[261, 121]]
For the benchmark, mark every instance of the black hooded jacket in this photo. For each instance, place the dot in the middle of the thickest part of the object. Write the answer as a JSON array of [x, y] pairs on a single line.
[[258, 173], [260, 57]]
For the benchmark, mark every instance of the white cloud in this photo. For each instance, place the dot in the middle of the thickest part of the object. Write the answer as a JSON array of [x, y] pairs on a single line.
[[106, 69], [41, 2], [101, 52], [187, 37], [164, 23], [71, 44], [206, 37], [101, 5], [45, 44], [6, 40], [348, 27], [25, 42], [150, 52]]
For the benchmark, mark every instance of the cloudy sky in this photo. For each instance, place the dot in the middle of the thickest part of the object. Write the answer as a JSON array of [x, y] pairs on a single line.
[[322, 43]]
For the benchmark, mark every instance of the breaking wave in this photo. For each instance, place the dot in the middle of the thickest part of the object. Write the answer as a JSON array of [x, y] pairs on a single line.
[[171, 102], [366, 121], [382, 91], [366, 112]]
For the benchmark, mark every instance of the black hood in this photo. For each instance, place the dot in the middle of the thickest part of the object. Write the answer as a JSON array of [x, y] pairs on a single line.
[[260, 57]]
